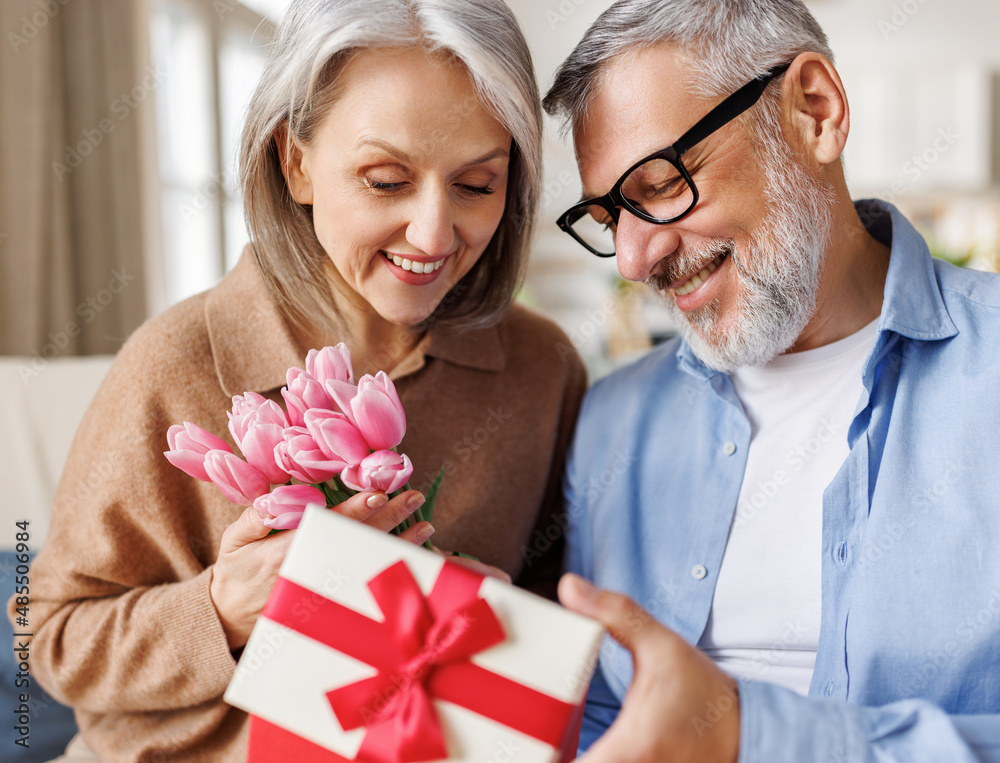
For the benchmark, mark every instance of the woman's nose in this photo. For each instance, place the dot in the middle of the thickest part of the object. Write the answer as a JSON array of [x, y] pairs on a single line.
[[640, 245], [432, 226]]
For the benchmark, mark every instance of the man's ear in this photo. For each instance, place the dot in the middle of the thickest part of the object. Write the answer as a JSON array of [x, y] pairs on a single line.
[[293, 166], [816, 107]]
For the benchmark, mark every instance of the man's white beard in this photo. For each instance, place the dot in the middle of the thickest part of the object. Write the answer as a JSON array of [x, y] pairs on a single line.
[[777, 276]]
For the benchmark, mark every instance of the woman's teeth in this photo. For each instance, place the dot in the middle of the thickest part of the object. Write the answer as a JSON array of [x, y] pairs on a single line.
[[414, 265], [700, 277]]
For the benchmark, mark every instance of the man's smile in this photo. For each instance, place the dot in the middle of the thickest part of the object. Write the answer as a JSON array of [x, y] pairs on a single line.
[[688, 283]]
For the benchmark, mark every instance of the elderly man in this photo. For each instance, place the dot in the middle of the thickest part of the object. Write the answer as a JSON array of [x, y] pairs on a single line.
[[810, 517]]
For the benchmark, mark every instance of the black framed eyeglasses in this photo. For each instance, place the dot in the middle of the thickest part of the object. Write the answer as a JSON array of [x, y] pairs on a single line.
[[658, 188]]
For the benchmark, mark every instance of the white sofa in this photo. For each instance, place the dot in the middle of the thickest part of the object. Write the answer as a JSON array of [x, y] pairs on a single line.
[[41, 405]]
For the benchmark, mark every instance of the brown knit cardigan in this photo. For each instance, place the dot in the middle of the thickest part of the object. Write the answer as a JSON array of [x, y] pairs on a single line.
[[125, 631]]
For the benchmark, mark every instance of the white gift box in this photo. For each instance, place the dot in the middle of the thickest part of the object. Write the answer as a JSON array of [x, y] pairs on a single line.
[[324, 630]]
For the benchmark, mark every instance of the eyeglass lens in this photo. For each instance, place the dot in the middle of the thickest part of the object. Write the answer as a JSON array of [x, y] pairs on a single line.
[[655, 187]]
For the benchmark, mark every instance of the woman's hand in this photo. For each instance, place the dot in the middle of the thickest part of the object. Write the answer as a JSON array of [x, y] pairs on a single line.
[[249, 557], [475, 565], [244, 573], [376, 510]]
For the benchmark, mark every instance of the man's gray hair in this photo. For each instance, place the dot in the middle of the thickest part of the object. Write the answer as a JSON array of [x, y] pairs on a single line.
[[728, 42]]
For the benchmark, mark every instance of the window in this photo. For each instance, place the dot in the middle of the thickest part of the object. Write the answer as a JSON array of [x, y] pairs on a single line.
[[213, 53]]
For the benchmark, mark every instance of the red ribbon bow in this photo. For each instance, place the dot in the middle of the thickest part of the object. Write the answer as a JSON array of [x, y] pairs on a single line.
[[422, 653], [396, 704]]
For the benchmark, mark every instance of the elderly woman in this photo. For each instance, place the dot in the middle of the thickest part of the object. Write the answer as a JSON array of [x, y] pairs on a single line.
[[390, 164]]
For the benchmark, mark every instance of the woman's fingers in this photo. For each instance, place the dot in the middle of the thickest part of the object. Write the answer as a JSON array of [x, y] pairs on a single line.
[[395, 511], [418, 533], [360, 507], [244, 572], [249, 527], [376, 510], [476, 566]]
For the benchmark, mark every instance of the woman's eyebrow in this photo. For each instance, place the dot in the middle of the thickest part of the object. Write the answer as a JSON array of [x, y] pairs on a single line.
[[499, 152], [387, 147]]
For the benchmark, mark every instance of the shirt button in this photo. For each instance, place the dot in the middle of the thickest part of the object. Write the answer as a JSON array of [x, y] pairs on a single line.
[[842, 554], [698, 572], [829, 689], [729, 448]]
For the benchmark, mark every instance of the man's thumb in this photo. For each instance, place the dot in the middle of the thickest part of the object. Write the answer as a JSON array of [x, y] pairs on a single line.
[[623, 618]]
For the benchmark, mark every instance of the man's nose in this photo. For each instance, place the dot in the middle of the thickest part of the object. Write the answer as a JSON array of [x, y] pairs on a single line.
[[432, 226], [641, 245]]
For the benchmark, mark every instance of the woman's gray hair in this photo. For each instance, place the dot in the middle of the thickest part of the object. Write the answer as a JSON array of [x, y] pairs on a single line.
[[727, 44], [300, 83]]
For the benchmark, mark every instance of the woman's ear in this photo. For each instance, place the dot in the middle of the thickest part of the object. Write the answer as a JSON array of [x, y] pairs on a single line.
[[816, 107], [293, 166]]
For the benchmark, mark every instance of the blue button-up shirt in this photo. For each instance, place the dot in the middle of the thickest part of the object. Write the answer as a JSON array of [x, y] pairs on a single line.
[[908, 664]]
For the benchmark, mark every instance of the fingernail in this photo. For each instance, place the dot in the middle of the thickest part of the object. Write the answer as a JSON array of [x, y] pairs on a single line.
[[415, 501], [426, 530], [377, 501], [584, 588]]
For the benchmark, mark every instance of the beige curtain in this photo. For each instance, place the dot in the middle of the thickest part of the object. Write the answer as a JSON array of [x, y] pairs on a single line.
[[76, 99]]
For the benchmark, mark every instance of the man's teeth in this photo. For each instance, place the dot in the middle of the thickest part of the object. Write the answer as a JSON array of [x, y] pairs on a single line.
[[700, 277], [414, 265]]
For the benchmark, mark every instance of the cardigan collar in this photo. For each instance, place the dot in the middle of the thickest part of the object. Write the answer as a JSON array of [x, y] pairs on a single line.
[[253, 345]]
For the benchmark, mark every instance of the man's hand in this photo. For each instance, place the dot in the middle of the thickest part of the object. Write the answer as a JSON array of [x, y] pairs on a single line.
[[664, 715]]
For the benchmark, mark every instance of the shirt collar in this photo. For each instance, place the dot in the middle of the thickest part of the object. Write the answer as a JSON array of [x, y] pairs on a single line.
[[912, 304], [253, 345]]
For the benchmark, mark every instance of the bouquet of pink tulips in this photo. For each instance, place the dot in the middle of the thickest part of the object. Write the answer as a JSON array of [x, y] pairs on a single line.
[[337, 438]]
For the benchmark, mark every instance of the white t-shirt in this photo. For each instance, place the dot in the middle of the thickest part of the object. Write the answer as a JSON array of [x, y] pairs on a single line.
[[765, 618]]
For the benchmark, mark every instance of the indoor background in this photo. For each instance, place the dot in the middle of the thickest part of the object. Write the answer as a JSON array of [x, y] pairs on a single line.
[[120, 120]]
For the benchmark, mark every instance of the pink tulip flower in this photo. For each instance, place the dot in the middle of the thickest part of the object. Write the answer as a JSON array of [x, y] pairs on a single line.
[[336, 436], [330, 363], [283, 507], [383, 470], [188, 445], [258, 424], [239, 481], [373, 407], [302, 393], [250, 408], [300, 456]]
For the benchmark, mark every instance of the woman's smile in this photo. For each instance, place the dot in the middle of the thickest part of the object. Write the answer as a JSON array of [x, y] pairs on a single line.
[[414, 270]]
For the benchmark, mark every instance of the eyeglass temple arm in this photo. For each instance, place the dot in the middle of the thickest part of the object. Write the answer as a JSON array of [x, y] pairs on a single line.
[[729, 109]]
